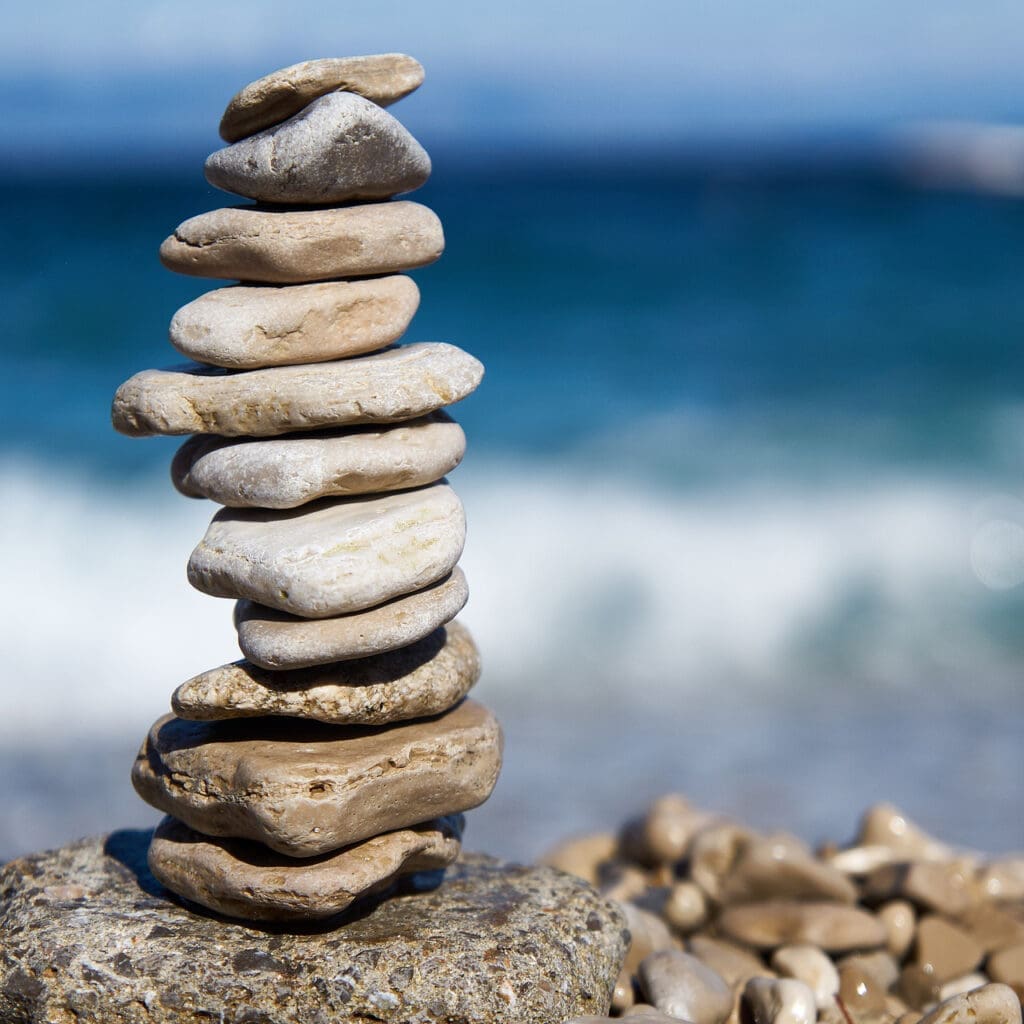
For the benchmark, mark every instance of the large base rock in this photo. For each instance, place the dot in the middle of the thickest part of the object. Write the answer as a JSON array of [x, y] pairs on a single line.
[[88, 936]]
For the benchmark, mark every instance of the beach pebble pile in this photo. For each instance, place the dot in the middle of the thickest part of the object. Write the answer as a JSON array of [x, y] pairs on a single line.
[[342, 750], [732, 926]]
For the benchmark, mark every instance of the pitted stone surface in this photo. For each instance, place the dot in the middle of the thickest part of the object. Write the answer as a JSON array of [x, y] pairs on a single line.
[[276, 640], [424, 678], [288, 471], [339, 148], [304, 788], [383, 78], [88, 935], [246, 880], [282, 246], [247, 327]]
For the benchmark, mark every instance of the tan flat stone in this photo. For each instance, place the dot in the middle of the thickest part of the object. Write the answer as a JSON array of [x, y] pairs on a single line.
[[246, 880], [288, 471], [945, 951], [276, 640], [383, 78], [424, 678], [1007, 966], [833, 927], [339, 148], [334, 556], [886, 825], [246, 327], [283, 246], [991, 1004], [304, 789], [399, 384]]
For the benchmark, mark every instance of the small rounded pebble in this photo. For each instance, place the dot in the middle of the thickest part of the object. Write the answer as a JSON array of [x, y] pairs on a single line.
[[733, 963], [582, 856], [778, 1001], [683, 987], [900, 922], [990, 1004], [860, 990], [809, 965], [945, 951], [886, 825], [649, 935], [832, 927], [686, 908], [663, 834]]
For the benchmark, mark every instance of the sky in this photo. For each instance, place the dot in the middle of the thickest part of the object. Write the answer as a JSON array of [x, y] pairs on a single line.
[[100, 78]]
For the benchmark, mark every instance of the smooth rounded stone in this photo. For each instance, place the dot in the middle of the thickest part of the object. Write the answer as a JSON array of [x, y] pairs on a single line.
[[246, 880], [335, 556], [809, 965], [398, 384], [275, 640], [88, 935], [582, 856], [424, 678], [900, 923], [282, 246], [885, 825], [917, 987], [991, 1004], [383, 78], [712, 852], [624, 993], [965, 983], [773, 868], [993, 927], [860, 860], [648, 934], [686, 908], [285, 472], [684, 987], [663, 834], [880, 965], [946, 887], [860, 991], [247, 327], [339, 148], [1007, 966], [733, 963], [833, 927], [305, 789], [944, 950], [778, 1001], [622, 882], [1003, 879]]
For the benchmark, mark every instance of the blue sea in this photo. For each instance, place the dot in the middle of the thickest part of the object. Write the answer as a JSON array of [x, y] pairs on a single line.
[[745, 487]]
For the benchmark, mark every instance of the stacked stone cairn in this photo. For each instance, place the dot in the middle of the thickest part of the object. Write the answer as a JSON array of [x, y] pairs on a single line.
[[341, 752]]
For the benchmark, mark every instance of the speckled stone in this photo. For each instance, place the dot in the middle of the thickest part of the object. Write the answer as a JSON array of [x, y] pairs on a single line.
[[88, 936]]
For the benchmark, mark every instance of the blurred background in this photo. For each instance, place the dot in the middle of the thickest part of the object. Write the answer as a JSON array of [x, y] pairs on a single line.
[[744, 482]]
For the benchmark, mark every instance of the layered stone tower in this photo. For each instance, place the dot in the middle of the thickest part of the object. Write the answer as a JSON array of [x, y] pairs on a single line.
[[341, 751]]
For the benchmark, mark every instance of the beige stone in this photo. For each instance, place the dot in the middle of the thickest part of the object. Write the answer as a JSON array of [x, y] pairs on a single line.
[[623, 994], [285, 246], [686, 908], [246, 880], [900, 923], [779, 1001], [833, 927], [640, 1013], [881, 965], [382, 78], [622, 882], [276, 640], [991, 1004], [582, 855], [663, 834], [713, 851], [945, 951], [733, 963], [1007, 966], [993, 927], [335, 556], [885, 825], [648, 934], [684, 987], [304, 789], [398, 384], [946, 887], [424, 678], [1003, 879], [339, 148], [809, 965], [965, 983], [288, 471], [246, 327], [860, 991]]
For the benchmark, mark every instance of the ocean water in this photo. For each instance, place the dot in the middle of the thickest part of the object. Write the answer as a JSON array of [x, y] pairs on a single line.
[[744, 488]]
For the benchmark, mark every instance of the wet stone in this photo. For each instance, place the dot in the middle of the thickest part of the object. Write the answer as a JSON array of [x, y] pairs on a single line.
[[685, 988], [832, 927]]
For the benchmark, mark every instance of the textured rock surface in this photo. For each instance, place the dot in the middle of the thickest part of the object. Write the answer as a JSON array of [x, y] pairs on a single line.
[[289, 471], [250, 326], [399, 384], [425, 678], [382, 78], [89, 936], [339, 148], [248, 881], [249, 243], [277, 640], [304, 789], [335, 556]]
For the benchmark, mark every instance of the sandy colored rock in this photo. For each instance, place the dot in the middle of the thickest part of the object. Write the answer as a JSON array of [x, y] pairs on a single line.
[[339, 148], [833, 927], [809, 965], [639, 1014], [900, 923], [493, 944], [246, 880], [778, 1001], [946, 887], [1003, 879], [288, 471], [945, 951], [382, 78], [733, 963], [713, 851], [335, 556], [663, 834], [246, 327], [582, 855], [684, 987], [424, 678], [993, 927], [686, 907], [1007, 966], [399, 384], [992, 1004], [648, 933], [879, 964], [860, 991], [276, 640], [305, 789], [282, 246], [886, 825]]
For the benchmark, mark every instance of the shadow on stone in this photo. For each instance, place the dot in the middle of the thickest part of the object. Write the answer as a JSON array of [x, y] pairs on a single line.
[[128, 847]]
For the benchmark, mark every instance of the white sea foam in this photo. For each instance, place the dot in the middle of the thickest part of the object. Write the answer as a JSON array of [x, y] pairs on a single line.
[[580, 585]]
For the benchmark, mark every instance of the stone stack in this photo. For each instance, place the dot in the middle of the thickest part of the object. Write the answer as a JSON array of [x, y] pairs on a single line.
[[340, 753]]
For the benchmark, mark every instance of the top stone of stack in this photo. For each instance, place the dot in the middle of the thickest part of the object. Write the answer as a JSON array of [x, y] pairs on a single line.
[[317, 133]]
